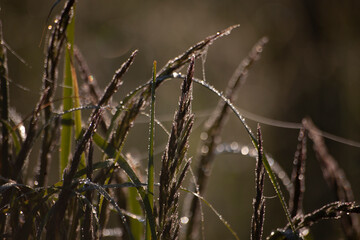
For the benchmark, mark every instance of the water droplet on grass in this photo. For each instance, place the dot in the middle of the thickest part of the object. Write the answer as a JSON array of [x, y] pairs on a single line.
[[204, 149], [220, 148], [234, 146], [244, 150], [203, 136], [184, 220]]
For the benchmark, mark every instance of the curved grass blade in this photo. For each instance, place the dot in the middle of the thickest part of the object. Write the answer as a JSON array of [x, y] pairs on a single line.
[[267, 166]]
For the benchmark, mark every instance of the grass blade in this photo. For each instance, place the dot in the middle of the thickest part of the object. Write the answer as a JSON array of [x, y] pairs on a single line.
[[67, 119], [77, 114], [221, 218], [150, 186]]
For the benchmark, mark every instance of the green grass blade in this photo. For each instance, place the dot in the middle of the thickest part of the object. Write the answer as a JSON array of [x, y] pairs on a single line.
[[150, 187], [67, 119], [137, 228], [77, 114]]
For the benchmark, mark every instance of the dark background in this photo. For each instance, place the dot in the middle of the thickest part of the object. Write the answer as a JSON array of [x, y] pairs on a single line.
[[310, 67]]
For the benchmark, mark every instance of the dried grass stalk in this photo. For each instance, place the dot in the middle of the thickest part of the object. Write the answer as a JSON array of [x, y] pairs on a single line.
[[257, 220], [335, 177], [333, 210], [174, 164], [50, 76], [298, 176]]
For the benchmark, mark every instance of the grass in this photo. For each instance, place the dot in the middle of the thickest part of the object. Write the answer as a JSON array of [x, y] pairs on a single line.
[[93, 190]]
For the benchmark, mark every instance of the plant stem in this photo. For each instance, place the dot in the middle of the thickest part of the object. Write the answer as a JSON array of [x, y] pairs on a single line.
[[150, 187]]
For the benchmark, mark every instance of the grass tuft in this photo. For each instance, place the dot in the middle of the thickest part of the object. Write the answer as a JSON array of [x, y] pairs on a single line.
[[111, 193]]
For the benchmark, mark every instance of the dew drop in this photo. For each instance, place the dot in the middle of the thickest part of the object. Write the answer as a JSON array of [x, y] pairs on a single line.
[[253, 152], [305, 232], [204, 149], [259, 49], [271, 161], [184, 220], [203, 136], [234, 146], [22, 131], [245, 150], [220, 148], [49, 27]]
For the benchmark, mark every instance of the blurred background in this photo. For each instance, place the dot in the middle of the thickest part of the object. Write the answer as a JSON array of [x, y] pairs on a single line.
[[310, 67]]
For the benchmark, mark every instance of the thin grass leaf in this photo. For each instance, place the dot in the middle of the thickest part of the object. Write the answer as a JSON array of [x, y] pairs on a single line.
[[151, 173], [77, 114], [221, 218], [67, 119]]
